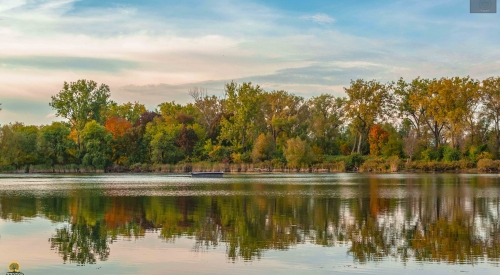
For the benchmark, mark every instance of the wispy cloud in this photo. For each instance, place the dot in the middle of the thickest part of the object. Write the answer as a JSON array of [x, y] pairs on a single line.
[[68, 63], [320, 18], [154, 51]]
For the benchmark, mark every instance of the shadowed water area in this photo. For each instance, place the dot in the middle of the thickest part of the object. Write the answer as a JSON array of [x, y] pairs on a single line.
[[251, 224]]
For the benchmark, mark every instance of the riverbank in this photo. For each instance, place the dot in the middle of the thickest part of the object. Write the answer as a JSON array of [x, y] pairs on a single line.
[[372, 165]]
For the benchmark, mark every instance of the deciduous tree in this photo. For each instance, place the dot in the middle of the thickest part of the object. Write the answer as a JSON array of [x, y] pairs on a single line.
[[81, 102], [298, 153], [490, 92], [451, 101], [244, 102], [96, 140], [377, 137], [54, 144], [264, 148], [210, 107], [327, 116], [366, 103], [129, 111]]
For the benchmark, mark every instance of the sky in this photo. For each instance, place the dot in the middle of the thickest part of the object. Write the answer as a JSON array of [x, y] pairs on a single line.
[[153, 51]]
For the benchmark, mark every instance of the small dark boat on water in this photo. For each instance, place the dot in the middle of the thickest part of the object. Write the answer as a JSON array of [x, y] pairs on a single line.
[[207, 174]]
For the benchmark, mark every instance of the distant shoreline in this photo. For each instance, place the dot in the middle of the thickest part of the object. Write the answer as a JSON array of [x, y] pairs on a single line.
[[254, 172], [374, 165]]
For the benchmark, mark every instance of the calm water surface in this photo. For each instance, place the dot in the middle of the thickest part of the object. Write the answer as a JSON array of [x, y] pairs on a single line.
[[251, 224]]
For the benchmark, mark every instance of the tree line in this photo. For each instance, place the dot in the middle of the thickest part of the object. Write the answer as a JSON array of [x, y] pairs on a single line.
[[422, 120]]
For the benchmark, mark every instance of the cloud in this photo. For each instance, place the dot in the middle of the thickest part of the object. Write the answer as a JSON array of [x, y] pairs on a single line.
[[154, 53], [26, 110], [320, 18], [68, 63], [305, 81]]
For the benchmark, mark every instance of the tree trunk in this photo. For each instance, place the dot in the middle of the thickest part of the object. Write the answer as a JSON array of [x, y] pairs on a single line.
[[359, 142], [472, 133], [78, 140], [497, 139], [243, 139], [436, 133], [354, 144]]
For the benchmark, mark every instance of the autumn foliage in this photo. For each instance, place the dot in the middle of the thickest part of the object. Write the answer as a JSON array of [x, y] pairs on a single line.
[[377, 138], [117, 126], [412, 120]]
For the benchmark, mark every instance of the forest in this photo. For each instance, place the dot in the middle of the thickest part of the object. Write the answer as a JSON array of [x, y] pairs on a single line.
[[451, 123]]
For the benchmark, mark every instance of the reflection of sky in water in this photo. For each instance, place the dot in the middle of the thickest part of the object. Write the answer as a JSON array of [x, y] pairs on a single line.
[[388, 205], [149, 255]]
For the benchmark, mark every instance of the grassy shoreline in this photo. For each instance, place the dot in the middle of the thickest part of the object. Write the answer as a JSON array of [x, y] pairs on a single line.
[[393, 165]]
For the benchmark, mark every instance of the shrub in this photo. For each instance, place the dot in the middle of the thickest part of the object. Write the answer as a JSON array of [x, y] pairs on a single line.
[[395, 164], [450, 154], [236, 157], [353, 161], [392, 164], [429, 155], [278, 163], [246, 157], [484, 155], [439, 166], [487, 165], [466, 164], [139, 167], [373, 165], [219, 153], [345, 148]]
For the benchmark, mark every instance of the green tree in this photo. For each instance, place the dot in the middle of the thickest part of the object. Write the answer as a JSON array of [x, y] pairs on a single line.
[[298, 153], [210, 107], [394, 144], [409, 105], [54, 145], [129, 111], [10, 146], [80, 102], [161, 137], [244, 102], [285, 115], [138, 149], [18, 145], [172, 110], [327, 116], [97, 150]]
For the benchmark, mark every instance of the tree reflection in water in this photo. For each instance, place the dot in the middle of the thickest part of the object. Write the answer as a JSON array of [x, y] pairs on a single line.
[[451, 222]]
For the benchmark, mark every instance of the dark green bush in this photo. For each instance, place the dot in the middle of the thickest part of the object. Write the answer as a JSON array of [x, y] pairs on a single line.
[[354, 161], [450, 154]]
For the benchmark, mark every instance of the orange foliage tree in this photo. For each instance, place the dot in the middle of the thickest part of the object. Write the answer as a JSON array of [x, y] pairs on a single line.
[[117, 126], [377, 138]]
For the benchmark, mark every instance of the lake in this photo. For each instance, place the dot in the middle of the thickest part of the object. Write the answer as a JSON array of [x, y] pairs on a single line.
[[251, 224]]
